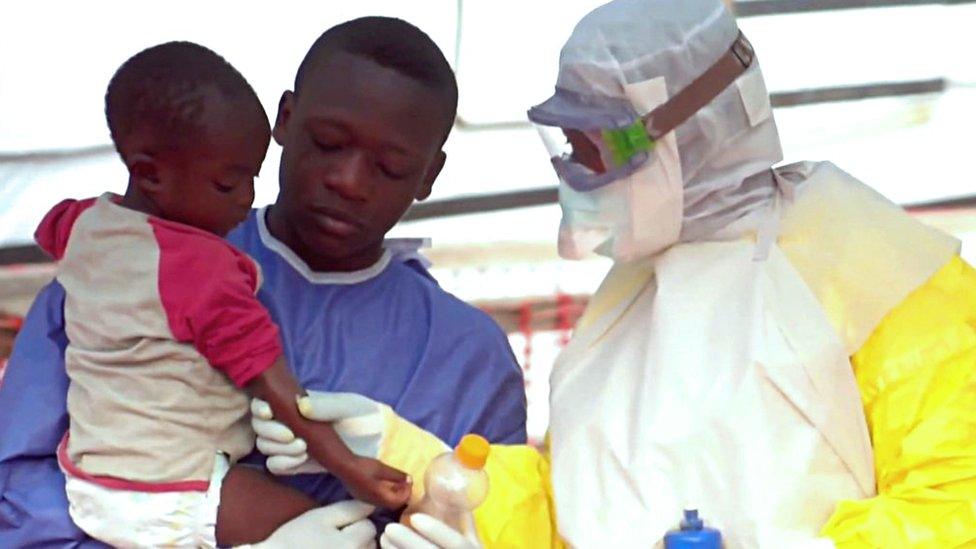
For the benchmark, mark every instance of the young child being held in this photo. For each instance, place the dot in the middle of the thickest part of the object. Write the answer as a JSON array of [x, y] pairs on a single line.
[[163, 324]]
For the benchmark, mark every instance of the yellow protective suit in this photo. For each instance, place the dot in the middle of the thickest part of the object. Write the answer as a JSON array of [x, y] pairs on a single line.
[[917, 375]]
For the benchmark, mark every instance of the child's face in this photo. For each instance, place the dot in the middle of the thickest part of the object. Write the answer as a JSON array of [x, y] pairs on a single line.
[[361, 143], [210, 184]]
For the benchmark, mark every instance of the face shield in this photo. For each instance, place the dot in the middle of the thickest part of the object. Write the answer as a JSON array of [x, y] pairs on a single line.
[[593, 142]]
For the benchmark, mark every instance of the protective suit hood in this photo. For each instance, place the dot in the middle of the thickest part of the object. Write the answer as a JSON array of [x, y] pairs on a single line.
[[722, 153]]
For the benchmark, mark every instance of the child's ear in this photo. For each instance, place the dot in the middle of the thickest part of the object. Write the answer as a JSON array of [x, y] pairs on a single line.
[[144, 172], [432, 172], [285, 106]]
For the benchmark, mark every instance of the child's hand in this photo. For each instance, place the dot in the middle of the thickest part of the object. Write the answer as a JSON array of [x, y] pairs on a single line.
[[379, 484], [367, 427]]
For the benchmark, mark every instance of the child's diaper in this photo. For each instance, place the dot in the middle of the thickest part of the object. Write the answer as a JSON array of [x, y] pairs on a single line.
[[129, 518]]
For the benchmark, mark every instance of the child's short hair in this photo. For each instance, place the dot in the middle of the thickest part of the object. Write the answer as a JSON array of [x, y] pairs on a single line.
[[164, 87], [391, 43]]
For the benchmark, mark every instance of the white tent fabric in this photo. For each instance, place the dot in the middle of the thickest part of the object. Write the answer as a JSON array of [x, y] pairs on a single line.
[[57, 57]]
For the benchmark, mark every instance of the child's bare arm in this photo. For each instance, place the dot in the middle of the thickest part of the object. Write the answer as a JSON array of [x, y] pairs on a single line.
[[367, 479]]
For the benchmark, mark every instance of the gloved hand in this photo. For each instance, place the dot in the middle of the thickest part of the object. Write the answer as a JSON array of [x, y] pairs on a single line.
[[427, 533], [369, 429], [357, 420], [341, 525]]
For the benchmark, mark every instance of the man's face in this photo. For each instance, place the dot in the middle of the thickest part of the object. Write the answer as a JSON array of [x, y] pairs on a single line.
[[360, 143]]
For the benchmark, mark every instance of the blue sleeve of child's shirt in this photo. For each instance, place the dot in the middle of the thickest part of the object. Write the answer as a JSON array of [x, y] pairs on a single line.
[[33, 418]]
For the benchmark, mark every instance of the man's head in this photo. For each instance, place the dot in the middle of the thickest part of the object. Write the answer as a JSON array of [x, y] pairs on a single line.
[[192, 133], [362, 134]]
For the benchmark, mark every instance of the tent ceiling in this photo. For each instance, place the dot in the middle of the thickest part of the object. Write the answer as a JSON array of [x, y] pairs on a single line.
[[55, 66], [53, 71]]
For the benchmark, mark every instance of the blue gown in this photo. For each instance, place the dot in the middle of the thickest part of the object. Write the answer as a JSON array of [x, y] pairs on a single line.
[[388, 332]]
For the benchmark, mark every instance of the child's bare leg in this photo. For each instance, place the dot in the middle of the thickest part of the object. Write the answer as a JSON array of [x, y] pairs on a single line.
[[253, 505]]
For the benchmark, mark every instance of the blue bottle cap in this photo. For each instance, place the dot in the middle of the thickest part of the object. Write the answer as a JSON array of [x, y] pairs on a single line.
[[692, 521], [693, 534]]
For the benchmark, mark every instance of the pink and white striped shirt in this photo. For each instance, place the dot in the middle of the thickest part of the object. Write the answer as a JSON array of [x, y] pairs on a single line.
[[164, 329]]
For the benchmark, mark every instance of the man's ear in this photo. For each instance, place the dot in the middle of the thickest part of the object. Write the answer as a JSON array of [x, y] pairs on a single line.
[[432, 172], [144, 172], [285, 107]]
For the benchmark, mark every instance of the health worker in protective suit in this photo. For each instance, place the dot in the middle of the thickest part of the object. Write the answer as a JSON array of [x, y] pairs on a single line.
[[782, 349]]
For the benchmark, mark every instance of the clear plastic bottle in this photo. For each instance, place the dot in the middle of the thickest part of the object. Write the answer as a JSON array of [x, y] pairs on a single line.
[[455, 484]]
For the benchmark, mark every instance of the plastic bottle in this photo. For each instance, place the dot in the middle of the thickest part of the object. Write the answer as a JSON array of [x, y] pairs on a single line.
[[693, 534], [455, 484]]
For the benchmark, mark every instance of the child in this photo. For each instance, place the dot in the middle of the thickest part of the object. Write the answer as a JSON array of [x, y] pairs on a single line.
[[161, 314]]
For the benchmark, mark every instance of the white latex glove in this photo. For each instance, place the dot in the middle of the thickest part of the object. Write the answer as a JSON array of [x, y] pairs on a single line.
[[357, 420], [427, 533], [341, 525]]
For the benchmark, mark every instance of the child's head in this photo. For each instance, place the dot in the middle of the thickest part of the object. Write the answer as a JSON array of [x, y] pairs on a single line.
[[192, 133], [362, 133]]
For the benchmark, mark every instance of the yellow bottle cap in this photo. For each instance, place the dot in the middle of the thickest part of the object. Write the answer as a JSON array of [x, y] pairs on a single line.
[[472, 451]]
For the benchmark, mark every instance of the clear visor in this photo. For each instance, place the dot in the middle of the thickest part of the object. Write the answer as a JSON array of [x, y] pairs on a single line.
[[584, 147], [589, 159]]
